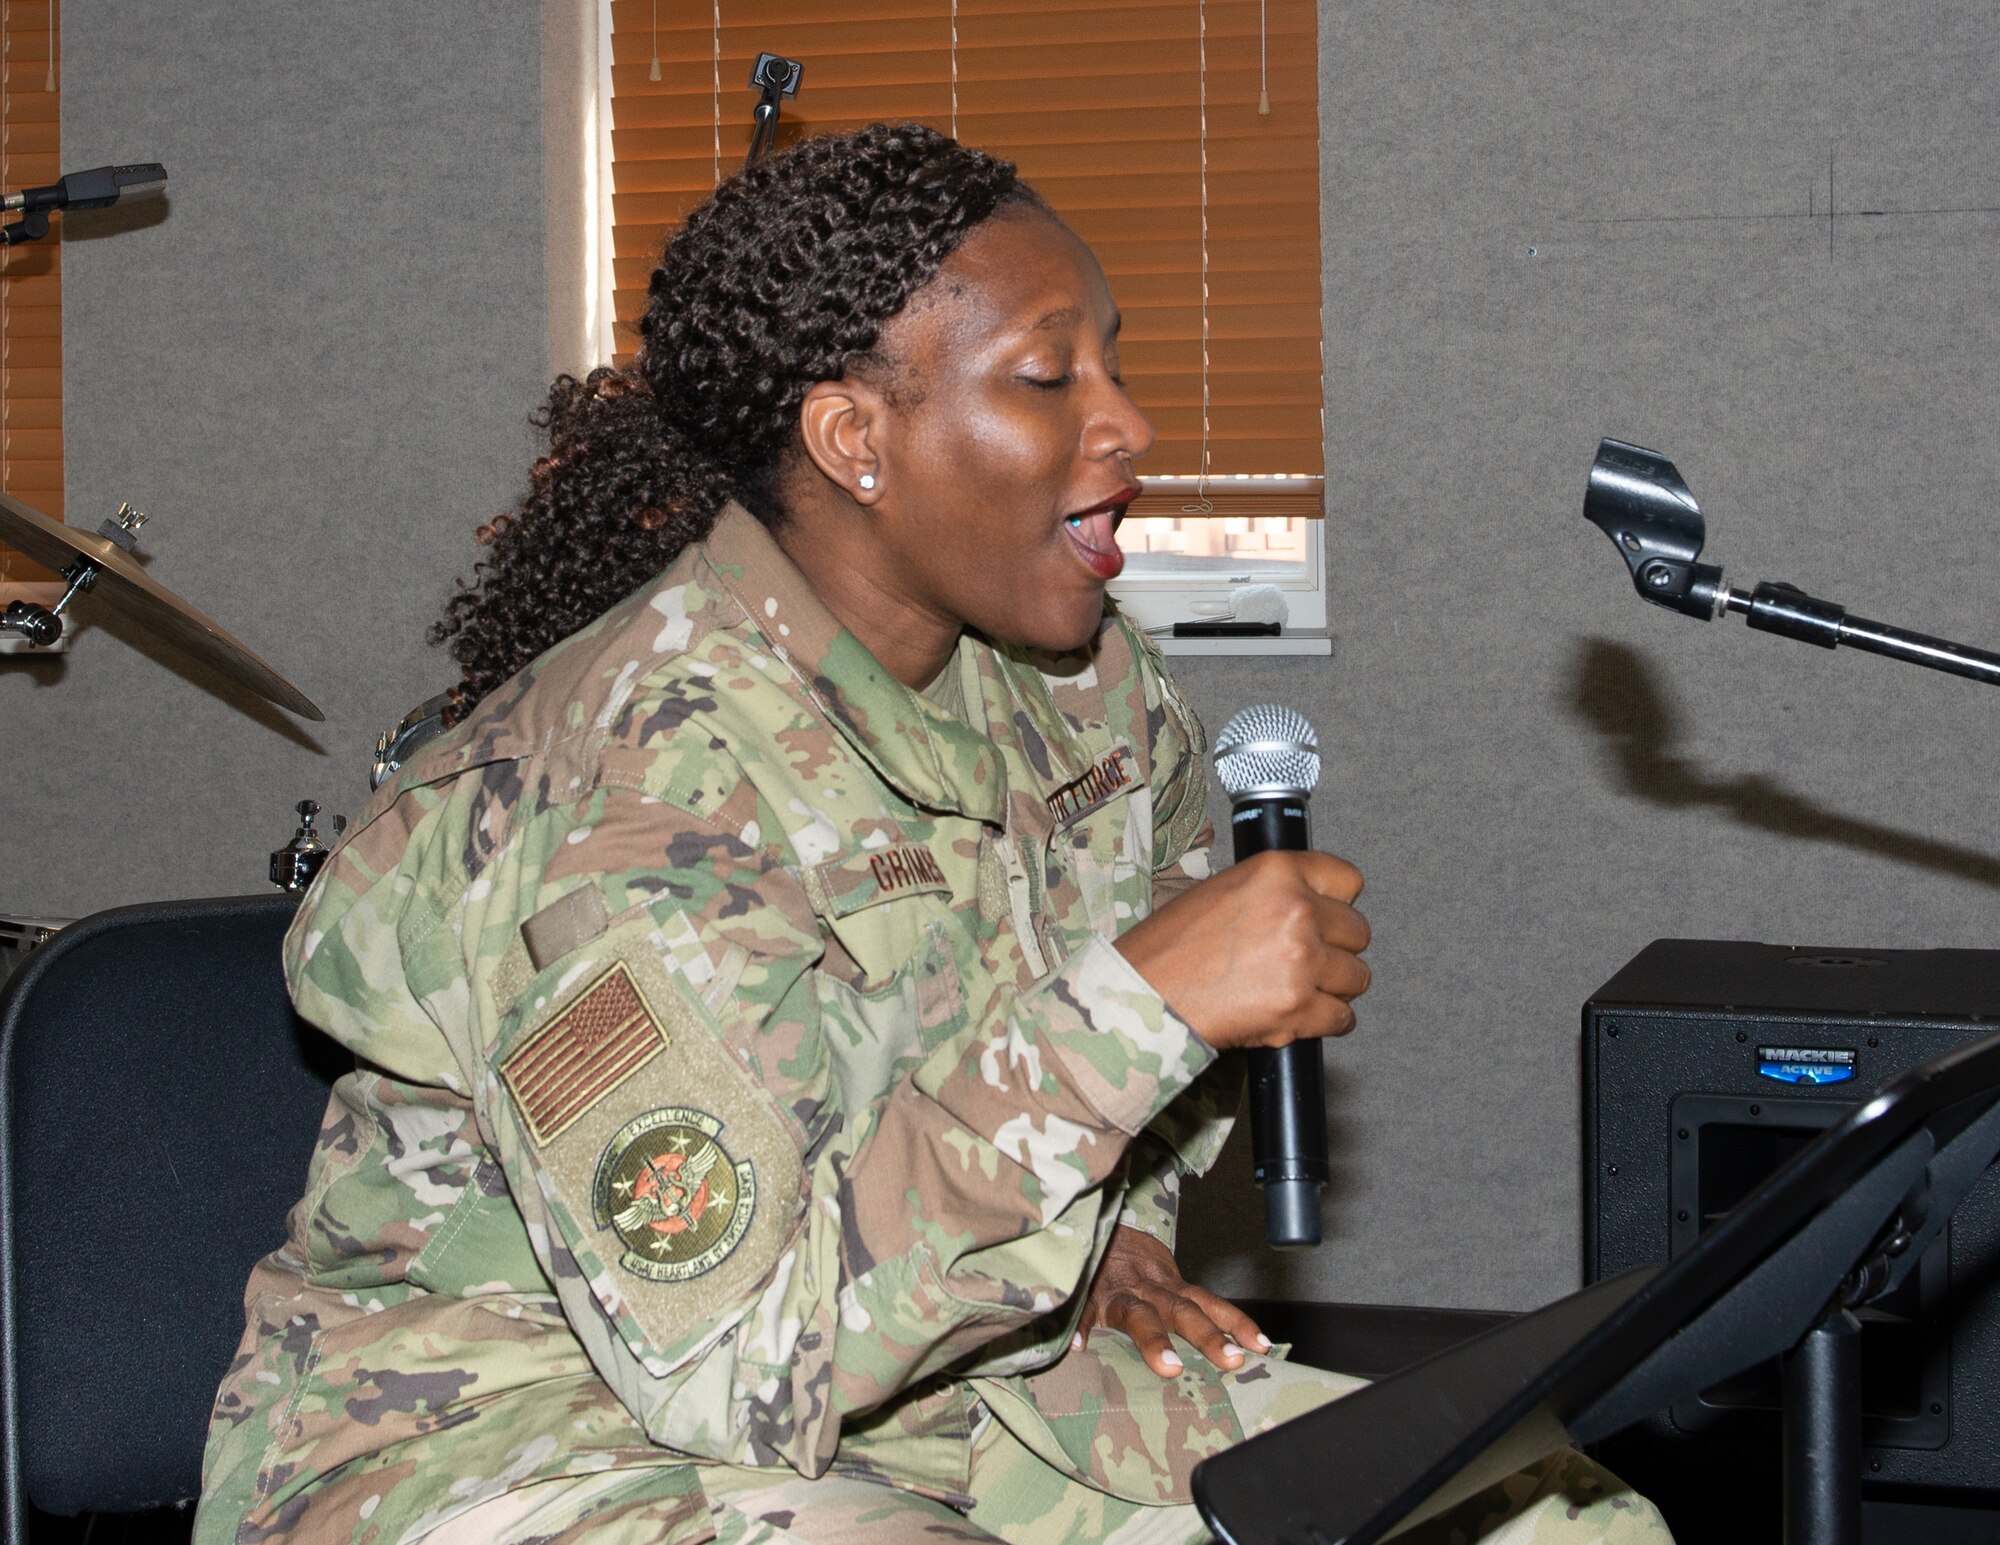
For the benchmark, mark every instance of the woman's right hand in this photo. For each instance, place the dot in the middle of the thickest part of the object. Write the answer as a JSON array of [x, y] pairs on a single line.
[[1263, 954]]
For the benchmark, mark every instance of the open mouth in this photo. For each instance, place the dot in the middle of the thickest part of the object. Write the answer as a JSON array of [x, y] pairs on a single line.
[[1093, 534]]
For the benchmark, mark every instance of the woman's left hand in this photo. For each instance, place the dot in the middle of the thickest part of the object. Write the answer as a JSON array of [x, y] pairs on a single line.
[[1139, 1290]]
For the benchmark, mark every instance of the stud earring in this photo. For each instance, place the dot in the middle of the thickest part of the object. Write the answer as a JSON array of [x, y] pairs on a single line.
[[867, 481]]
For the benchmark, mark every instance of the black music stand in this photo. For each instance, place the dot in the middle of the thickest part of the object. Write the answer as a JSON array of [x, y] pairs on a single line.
[[1840, 1225]]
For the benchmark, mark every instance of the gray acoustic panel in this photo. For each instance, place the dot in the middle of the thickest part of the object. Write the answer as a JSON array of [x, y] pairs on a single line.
[[1764, 241], [313, 366]]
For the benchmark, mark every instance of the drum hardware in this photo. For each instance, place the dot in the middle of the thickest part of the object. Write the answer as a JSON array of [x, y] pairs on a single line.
[[20, 935], [294, 865], [42, 625], [103, 563], [395, 747]]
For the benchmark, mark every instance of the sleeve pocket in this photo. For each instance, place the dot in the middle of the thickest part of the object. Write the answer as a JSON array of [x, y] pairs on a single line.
[[673, 1177]]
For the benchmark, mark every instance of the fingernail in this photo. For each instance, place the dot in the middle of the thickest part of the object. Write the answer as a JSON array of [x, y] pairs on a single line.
[[1231, 1349], [1076, 1342], [1171, 1358], [1263, 1342]]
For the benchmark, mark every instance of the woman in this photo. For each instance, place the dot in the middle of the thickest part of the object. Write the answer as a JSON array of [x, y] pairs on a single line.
[[787, 1006]]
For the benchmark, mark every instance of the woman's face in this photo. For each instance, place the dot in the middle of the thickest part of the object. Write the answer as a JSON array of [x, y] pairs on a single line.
[[1006, 441]]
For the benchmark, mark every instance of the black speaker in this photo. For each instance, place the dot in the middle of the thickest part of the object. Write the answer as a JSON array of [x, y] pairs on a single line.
[[1707, 1064]]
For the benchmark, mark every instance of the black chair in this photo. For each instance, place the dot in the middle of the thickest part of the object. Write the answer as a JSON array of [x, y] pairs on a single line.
[[158, 1104]]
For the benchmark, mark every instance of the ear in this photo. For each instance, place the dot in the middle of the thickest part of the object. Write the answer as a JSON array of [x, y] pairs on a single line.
[[845, 426]]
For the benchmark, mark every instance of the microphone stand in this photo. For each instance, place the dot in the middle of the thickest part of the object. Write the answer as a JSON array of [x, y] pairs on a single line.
[[1637, 498], [1776, 607], [775, 78], [32, 226], [97, 188], [765, 133]]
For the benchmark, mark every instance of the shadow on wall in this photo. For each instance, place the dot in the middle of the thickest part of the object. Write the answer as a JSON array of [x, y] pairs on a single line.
[[52, 670], [41, 670], [1616, 693], [130, 215]]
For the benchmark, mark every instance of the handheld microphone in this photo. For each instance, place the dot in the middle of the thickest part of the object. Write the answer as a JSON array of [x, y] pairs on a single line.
[[1268, 761], [94, 189]]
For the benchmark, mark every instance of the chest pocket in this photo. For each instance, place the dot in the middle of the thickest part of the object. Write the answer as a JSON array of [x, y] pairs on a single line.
[[878, 905], [893, 989], [1115, 887]]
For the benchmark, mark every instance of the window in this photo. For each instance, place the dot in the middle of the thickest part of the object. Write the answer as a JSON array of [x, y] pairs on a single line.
[[31, 457], [1153, 142]]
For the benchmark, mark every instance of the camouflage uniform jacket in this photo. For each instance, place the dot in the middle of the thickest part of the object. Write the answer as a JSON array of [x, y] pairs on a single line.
[[745, 1072]]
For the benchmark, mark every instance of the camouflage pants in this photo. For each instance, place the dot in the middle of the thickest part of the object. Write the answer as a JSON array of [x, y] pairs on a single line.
[[1565, 1500]]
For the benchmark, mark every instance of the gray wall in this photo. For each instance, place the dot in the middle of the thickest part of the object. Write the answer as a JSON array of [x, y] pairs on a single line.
[[1544, 223], [316, 373], [313, 368]]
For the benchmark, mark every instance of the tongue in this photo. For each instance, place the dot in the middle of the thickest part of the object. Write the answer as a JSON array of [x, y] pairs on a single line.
[[1092, 540], [1097, 530]]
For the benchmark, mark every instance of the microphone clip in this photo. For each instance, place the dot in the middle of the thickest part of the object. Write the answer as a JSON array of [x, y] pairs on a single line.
[[776, 77], [97, 188], [1638, 499]]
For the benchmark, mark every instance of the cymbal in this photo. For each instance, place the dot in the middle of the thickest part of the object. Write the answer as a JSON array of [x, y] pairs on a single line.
[[128, 590]]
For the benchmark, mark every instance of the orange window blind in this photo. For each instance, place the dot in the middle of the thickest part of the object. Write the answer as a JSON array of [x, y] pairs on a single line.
[[31, 454], [1139, 122]]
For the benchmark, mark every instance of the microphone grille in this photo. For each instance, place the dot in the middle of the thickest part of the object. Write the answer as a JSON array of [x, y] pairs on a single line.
[[1267, 750]]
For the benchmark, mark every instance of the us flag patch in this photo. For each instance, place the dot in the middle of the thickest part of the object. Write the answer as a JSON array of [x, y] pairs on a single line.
[[605, 1036]]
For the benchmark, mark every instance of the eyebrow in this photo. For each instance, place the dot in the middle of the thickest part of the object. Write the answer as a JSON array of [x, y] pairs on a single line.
[[1069, 316]]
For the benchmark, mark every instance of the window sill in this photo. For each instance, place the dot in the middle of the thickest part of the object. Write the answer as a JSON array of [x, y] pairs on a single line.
[[1291, 641]]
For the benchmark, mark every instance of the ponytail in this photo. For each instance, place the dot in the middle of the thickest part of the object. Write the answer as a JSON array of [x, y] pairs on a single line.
[[782, 279]]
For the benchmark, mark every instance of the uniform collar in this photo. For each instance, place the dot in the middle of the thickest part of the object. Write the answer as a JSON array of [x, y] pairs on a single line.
[[1049, 706], [933, 760]]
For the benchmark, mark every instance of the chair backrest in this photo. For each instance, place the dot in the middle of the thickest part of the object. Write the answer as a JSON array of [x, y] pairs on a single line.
[[159, 1101]]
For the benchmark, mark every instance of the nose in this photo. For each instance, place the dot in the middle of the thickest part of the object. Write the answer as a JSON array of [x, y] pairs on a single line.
[[1117, 426]]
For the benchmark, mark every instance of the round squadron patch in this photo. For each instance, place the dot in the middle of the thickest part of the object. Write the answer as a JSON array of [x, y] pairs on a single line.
[[667, 1187]]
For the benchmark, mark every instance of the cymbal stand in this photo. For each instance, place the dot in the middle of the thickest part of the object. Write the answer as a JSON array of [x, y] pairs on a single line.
[[42, 626]]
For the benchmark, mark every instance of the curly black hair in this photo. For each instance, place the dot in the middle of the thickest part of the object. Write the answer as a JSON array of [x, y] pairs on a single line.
[[782, 279]]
